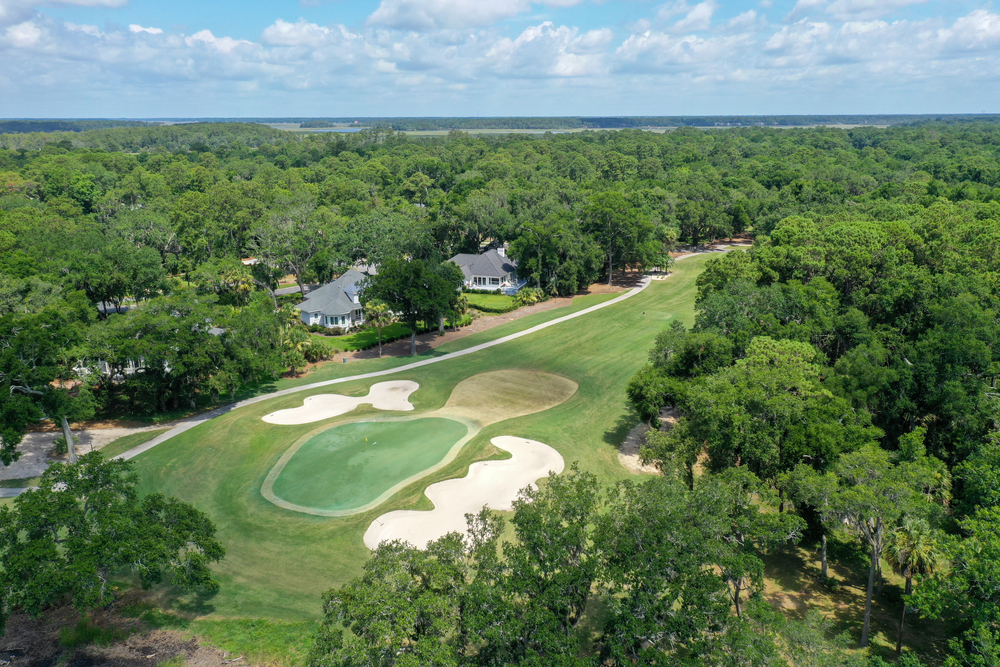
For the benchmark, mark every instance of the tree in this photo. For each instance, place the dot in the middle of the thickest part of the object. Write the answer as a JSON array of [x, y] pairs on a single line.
[[970, 591], [657, 547], [415, 290], [403, 611], [291, 238], [616, 225], [528, 595], [378, 315], [86, 522], [913, 550], [873, 493], [769, 411], [556, 255]]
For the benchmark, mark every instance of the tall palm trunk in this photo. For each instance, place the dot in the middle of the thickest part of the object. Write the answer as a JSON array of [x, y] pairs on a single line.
[[871, 587], [902, 618], [823, 569]]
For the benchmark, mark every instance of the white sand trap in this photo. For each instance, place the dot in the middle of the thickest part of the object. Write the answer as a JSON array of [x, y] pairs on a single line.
[[382, 396], [492, 483]]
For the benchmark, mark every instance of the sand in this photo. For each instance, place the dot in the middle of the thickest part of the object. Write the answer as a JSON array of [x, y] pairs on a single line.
[[489, 483], [382, 396]]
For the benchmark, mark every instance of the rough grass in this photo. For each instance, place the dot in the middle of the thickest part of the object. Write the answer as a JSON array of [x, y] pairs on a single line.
[[279, 562], [127, 442], [260, 642]]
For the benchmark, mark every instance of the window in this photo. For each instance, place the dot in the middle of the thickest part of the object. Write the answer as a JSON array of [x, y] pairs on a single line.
[[494, 281]]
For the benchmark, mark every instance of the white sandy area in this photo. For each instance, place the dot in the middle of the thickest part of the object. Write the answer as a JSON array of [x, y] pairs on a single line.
[[489, 483], [382, 396]]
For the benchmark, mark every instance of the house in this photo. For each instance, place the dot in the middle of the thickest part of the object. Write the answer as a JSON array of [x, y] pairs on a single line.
[[491, 270], [335, 304]]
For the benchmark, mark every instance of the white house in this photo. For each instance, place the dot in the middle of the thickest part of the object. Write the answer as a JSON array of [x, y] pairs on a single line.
[[492, 270], [335, 304]]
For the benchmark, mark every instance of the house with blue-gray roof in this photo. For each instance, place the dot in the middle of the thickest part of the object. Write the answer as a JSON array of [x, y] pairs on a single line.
[[335, 304]]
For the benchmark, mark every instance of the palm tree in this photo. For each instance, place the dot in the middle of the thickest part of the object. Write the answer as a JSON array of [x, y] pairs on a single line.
[[913, 549], [377, 314]]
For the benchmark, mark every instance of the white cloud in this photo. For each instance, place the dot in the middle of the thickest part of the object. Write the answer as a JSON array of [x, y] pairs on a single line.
[[23, 35], [744, 20], [134, 27], [16, 11], [220, 44], [91, 30], [302, 33], [425, 15], [803, 8], [978, 30], [547, 50], [863, 10], [699, 18]]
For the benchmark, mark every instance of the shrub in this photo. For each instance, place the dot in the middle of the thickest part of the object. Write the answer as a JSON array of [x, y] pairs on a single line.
[[528, 296], [61, 446]]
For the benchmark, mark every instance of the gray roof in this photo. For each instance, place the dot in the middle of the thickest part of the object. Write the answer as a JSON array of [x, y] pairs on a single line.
[[490, 264], [335, 298]]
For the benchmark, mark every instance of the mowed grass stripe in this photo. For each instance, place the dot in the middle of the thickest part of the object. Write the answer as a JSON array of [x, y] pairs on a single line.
[[279, 562]]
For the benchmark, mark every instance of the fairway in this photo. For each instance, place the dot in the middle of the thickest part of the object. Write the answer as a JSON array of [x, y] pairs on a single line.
[[349, 466], [563, 386]]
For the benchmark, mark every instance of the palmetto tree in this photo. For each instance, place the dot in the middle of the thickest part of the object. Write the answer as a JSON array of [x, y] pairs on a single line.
[[913, 549], [378, 315]]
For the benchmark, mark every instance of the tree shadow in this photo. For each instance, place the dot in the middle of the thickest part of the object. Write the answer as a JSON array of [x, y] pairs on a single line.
[[615, 435]]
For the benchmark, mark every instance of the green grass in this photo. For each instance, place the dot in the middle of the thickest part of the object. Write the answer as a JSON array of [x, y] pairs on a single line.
[[494, 301], [260, 642], [19, 483], [85, 633], [365, 339], [350, 465], [127, 442], [279, 562]]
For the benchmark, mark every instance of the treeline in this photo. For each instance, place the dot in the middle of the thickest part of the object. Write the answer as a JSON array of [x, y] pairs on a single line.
[[22, 126], [850, 360], [139, 137]]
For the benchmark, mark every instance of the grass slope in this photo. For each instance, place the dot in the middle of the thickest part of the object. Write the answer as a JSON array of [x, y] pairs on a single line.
[[279, 562]]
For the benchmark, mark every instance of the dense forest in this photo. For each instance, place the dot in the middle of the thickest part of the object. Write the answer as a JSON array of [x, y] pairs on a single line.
[[19, 126], [840, 378]]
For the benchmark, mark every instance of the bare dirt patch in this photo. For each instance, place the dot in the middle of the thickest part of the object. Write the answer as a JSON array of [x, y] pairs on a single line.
[[31, 642]]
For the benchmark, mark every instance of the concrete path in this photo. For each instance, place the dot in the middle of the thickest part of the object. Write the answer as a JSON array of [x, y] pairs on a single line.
[[201, 419]]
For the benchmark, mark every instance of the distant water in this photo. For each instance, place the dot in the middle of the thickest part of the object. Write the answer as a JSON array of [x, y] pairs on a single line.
[[333, 129]]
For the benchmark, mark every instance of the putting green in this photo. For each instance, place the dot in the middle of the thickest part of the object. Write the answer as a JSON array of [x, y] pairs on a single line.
[[351, 465]]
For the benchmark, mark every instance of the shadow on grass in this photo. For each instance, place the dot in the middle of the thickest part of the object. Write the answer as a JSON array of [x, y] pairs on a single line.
[[615, 435]]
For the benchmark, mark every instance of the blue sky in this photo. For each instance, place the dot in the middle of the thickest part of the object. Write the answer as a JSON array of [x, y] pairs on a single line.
[[151, 58]]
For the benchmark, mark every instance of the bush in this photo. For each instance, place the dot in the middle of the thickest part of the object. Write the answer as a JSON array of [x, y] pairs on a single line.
[[62, 447], [320, 350], [528, 296]]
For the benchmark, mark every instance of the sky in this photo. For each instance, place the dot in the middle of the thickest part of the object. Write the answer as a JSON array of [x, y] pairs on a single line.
[[342, 58]]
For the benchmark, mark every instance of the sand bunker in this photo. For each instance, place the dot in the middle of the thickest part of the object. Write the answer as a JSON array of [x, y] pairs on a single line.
[[492, 483], [382, 396]]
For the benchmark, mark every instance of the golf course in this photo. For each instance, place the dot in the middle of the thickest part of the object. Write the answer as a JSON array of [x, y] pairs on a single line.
[[293, 497]]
